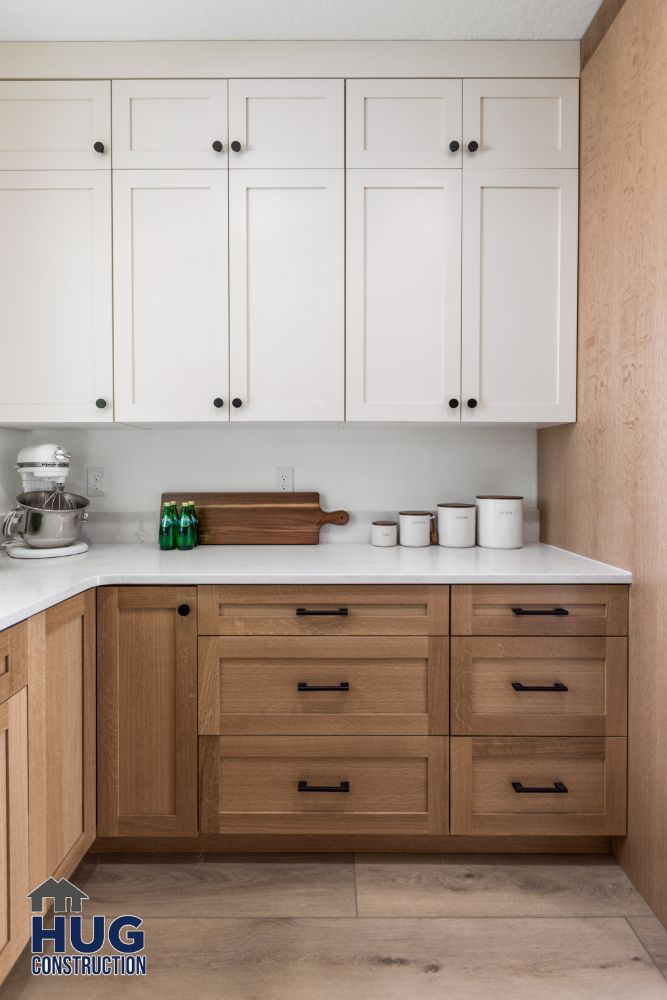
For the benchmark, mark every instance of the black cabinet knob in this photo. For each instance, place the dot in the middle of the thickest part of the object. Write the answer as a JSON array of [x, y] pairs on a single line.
[[101, 404], [454, 146], [98, 147], [453, 403], [472, 403], [236, 146], [184, 610], [473, 146], [217, 402], [217, 146], [236, 402]]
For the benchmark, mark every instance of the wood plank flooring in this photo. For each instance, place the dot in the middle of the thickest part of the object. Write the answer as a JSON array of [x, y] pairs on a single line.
[[320, 927]]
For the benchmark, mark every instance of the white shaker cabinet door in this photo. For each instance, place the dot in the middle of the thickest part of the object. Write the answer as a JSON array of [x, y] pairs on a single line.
[[170, 123], [286, 123], [55, 297], [170, 295], [286, 236], [519, 296], [403, 123], [520, 123], [55, 125], [403, 295]]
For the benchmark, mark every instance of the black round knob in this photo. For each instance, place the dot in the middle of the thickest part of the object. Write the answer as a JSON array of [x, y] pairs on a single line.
[[184, 610], [236, 146], [454, 146], [217, 146], [473, 146], [453, 403], [236, 402], [100, 404], [217, 402], [98, 147], [472, 403]]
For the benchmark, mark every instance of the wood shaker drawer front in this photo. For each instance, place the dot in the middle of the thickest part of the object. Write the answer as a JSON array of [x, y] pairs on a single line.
[[324, 610], [14, 651], [539, 686], [323, 784], [323, 686], [540, 609], [505, 786]]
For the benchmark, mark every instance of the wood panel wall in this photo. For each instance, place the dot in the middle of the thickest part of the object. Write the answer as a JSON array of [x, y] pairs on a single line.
[[603, 481]]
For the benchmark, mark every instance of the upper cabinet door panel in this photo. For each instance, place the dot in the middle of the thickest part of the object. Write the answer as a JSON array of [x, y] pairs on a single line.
[[519, 295], [170, 289], [403, 295], [521, 123], [170, 123], [286, 123], [403, 123], [287, 294], [55, 290], [54, 125]]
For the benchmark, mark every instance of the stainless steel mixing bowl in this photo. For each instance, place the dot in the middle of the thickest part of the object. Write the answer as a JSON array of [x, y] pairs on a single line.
[[43, 528]]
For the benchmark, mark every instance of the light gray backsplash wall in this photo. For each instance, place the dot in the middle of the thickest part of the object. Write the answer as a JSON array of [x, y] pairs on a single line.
[[10, 484]]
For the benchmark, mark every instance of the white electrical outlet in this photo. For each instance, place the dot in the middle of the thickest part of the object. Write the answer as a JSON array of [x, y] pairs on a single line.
[[284, 478], [95, 481]]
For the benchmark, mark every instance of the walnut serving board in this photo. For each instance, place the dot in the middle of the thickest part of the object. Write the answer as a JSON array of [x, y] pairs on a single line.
[[259, 518]]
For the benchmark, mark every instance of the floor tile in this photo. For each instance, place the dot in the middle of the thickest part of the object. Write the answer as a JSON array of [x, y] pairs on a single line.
[[493, 886], [653, 936], [220, 885]]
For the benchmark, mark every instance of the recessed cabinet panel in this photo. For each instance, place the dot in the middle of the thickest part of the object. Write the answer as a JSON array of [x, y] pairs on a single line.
[[55, 290], [287, 294], [403, 123], [521, 123], [286, 123], [55, 124], [403, 295], [519, 295], [170, 286], [170, 123], [14, 859]]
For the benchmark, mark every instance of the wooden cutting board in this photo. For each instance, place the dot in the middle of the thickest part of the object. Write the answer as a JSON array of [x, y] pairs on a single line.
[[259, 518]]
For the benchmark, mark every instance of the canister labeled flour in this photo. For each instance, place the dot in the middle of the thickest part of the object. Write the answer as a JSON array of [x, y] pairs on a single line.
[[500, 522]]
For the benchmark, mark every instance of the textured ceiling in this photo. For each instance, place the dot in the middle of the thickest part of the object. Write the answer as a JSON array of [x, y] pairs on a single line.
[[126, 20]]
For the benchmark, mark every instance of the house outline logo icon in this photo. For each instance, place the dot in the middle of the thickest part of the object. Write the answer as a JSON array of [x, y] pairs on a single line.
[[60, 891]]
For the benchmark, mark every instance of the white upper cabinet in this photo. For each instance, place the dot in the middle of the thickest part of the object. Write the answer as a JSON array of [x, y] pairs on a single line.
[[286, 123], [520, 123], [403, 123], [287, 294], [55, 125], [519, 295], [55, 295], [170, 123], [403, 295], [170, 289]]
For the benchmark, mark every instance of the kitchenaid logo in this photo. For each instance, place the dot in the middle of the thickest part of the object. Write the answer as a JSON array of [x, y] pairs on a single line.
[[74, 947]]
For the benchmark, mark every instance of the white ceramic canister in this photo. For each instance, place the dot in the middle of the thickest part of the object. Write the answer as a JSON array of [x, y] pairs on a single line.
[[456, 525], [500, 522], [415, 527], [384, 533]]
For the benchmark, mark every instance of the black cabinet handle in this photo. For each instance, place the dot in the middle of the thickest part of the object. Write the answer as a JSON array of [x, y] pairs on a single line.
[[554, 613], [454, 146], [303, 786], [101, 404], [473, 146], [218, 402], [453, 404], [98, 147], [236, 402], [236, 146], [558, 686], [184, 610], [558, 788], [341, 612], [217, 146], [305, 686], [472, 403]]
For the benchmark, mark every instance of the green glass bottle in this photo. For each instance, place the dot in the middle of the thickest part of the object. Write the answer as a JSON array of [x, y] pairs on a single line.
[[168, 526], [195, 522], [185, 533]]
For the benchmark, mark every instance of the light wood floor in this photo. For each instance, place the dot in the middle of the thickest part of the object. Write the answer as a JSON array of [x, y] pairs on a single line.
[[372, 928]]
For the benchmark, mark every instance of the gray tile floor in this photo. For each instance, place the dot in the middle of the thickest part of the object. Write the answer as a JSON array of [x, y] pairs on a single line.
[[373, 927]]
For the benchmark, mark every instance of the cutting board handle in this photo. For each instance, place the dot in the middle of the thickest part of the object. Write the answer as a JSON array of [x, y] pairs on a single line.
[[335, 517]]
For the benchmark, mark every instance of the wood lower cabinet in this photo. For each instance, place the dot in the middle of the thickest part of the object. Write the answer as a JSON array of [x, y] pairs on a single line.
[[147, 711], [14, 854]]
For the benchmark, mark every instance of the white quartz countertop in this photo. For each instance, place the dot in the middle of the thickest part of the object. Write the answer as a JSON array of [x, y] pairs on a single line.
[[30, 586]]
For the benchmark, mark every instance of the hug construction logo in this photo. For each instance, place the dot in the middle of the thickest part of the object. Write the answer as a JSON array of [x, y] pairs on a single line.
[[75, 947]]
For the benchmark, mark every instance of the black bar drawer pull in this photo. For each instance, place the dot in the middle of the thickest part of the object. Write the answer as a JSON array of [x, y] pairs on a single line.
[[303, 786], [305, 686], [557, 788], [341, 612], [558, 686], [557, 612]]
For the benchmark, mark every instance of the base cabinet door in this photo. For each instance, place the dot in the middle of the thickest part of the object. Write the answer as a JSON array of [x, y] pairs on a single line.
[[147, 711], [14, 862]]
